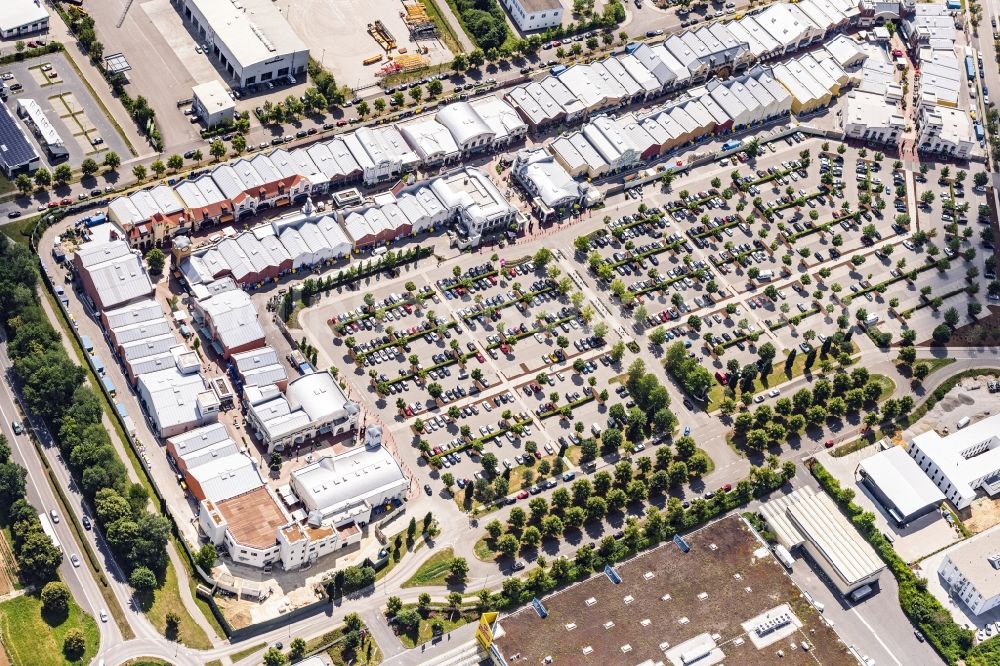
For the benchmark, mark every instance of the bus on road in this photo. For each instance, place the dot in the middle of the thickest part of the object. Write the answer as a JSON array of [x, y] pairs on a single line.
[[43, 518]]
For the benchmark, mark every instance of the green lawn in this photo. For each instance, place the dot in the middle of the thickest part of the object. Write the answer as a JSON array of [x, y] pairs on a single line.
[[167, 598], [246, 652], [31, 640], [434, 571], [6, 185], [366, 654], [780, 373], [888, 386], [19, 230], [934, 364], [484, 551], [396, 556], [448, 619]]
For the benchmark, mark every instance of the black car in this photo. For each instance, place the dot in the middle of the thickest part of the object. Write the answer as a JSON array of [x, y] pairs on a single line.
[[300, 134], [311, 131], [189, 155], [427, 489], [13, 214], [688, 404], [96, 192], [86, 522], [329, 126]]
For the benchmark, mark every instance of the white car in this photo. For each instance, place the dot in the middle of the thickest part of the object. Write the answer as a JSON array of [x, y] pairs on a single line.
[[774, 393], [74, 560], [104, 615]]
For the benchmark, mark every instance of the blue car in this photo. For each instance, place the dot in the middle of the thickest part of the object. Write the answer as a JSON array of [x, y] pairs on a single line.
[[687, 430]]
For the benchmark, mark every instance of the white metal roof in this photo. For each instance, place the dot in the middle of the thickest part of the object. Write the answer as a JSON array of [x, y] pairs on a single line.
[[464, 123], [116, 272], [254, 31], [501, 118], [17, 13], [233, 318], [899, 477], [805, 515], [172, 397], [358, 476]]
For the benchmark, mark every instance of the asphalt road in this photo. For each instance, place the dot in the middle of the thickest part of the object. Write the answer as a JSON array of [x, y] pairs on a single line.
[[81, 582]]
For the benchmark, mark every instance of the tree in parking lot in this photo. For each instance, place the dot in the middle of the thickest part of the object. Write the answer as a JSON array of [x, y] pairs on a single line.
[[43, 178], [239, 144], [434, 390], [489, 462], [175, 162], [217, 149], [62, 174], [158, 168], [379, 105]]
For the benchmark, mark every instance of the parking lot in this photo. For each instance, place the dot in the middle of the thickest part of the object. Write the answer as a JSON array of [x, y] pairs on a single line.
[[67, 104]]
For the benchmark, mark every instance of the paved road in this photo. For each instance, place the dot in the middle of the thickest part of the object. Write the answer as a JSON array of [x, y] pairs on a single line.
[[81, 581]]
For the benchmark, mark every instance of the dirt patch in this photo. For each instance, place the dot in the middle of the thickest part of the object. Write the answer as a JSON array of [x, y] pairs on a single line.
[[954, 401], [984, 332], [237, 612], [984, 514]]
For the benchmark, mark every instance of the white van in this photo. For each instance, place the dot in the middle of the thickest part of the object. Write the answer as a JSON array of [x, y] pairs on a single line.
[[765, 275], [596, 429], [964, 421]]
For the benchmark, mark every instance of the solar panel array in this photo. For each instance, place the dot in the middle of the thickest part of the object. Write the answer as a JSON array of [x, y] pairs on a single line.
[[15, 149]]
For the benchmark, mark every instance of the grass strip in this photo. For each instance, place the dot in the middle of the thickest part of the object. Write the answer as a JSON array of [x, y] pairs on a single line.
[[434, 571]]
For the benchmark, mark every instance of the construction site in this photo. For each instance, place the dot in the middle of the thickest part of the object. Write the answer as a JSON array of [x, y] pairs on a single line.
[[373, 38]]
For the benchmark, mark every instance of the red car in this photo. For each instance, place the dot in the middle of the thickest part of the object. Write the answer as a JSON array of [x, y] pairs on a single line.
[[522, 495], [53, 204], [896, 53], [480, 358], [65, 202], [828, 444]]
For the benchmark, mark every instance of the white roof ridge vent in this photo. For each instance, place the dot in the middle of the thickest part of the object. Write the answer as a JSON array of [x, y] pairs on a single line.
[[626, 648], [628, 599], [591, 601], [570, 626], [645, 621], [666, 597], [587, 650], [649, 575], [702, 596], [609, 624]]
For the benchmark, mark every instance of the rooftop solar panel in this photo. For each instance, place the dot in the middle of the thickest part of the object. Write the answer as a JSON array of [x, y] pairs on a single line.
[[15, 149]]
